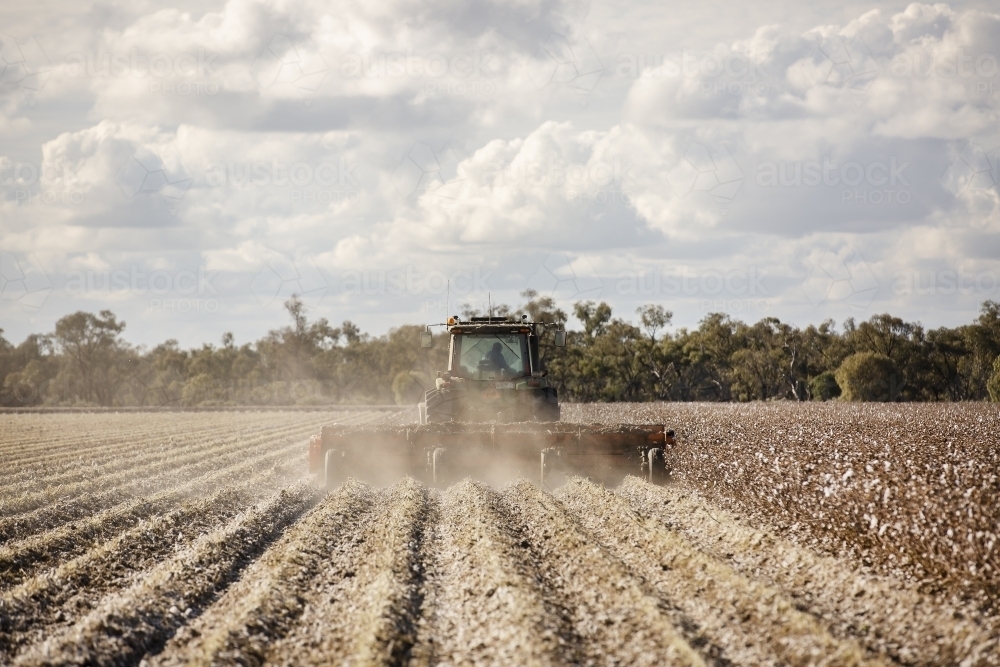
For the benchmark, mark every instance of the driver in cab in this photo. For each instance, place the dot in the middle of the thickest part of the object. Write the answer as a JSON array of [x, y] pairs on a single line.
[[496, 356]]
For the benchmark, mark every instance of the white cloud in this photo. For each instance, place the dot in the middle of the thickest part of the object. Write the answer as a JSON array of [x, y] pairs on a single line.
[[448, 137]]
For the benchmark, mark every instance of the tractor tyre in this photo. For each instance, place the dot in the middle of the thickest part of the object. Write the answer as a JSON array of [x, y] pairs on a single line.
[[657, 466], [547, 408], [550, 463], [439, 406], [439, 463], [333, 470]]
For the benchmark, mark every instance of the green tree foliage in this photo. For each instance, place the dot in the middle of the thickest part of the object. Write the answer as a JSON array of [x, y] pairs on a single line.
[[824, 387], [607, 358], [994, 382], [868, 376], [94, 355], [26, 370]]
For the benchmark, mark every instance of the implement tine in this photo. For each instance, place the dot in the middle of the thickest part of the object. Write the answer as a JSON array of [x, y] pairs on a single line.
[[605, 452]]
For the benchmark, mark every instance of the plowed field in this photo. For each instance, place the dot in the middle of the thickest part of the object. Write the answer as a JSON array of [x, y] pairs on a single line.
[[199, 538]]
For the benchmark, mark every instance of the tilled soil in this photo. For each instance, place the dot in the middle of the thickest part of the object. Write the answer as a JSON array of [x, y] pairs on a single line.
[[249, 562]]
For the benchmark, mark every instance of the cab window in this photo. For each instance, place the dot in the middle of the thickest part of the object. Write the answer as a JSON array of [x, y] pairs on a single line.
[[491, 356]]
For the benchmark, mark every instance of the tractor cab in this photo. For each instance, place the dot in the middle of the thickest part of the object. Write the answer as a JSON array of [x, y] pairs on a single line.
[[493, 351], [494, 373]]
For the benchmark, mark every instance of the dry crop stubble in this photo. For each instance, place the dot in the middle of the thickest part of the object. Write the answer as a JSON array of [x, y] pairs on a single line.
[[62, 594], [69, 440], [485, 601], [127, 485], [907, 489], [477, 575], [63, 433], [62, 470], [20, 559], [885, 615], [60, 441], [60, 504], [136, 470], [611, 611], [272, 595], [369, 609], [126, 626], [753, 623]]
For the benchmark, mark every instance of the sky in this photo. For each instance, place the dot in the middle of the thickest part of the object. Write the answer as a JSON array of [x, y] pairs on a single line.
[[190, 166]]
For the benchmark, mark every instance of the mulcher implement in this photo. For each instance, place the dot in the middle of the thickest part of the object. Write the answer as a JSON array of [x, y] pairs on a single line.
[[440, 454]]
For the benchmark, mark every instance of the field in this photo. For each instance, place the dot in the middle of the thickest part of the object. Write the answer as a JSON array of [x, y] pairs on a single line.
[[822, 534]]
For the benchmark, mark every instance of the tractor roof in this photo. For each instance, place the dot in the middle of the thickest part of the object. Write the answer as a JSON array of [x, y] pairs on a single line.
[[489, 325]]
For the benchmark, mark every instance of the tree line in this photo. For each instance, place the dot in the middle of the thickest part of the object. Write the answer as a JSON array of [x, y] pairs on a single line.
[[86, 361]]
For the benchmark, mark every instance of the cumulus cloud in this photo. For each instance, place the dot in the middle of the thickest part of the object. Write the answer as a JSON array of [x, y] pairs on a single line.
[[493, 140]]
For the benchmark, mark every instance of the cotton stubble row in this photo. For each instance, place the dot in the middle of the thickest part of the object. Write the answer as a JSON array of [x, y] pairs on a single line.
[[908, 489], [222, 558]]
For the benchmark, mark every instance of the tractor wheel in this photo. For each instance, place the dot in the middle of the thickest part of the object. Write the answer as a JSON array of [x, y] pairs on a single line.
[[333, 471], [439, 406], [439, 462], [550, 463], [657, 466], [547, 408]]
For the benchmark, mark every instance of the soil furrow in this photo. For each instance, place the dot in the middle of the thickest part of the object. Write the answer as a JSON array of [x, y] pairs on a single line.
[[23, 559], [144, 473], [821, 535], [60, 596], [54, 440], [611, 612], [885, 615], [272, 594], [68, 430], [51, 467], [370, 612], [65, 468], [487, 604], [138, 621], [753, 622], [130, 483]]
